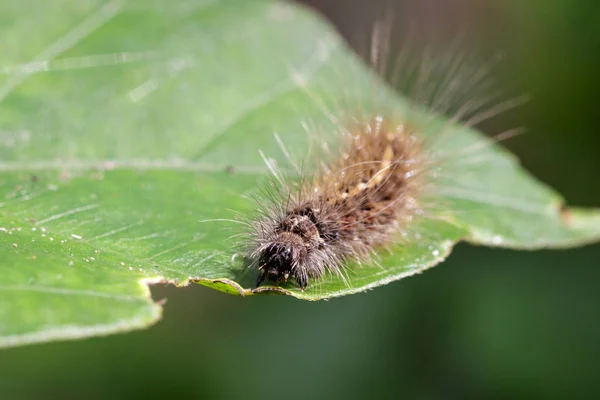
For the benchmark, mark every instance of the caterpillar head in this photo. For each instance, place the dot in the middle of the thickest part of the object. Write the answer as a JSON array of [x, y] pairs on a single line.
[[287, 251]]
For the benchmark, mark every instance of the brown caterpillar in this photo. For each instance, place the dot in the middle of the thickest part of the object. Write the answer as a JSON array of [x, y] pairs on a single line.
[[363, 197]]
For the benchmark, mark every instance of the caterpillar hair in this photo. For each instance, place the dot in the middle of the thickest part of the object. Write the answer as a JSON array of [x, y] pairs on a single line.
[[366, 194]]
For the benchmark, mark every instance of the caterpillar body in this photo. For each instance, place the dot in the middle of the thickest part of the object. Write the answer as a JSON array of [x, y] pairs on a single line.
[[365, 194]]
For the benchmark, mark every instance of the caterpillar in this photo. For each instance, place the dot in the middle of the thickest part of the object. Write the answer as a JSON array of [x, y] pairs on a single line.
[[365, 195], [361, 199]]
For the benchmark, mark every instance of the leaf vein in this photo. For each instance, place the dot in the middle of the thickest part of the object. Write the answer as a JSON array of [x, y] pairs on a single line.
[[70, 39], [69, 212], [70, 292]]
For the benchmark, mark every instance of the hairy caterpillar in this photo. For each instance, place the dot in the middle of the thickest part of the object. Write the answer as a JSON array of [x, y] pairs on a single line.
[[364, 196], [346, 212]]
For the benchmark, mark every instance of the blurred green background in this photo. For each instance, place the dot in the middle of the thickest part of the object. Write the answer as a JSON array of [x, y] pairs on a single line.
[[487, 323]]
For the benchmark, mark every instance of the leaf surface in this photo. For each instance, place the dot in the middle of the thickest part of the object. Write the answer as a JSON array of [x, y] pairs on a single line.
[[123, 125]]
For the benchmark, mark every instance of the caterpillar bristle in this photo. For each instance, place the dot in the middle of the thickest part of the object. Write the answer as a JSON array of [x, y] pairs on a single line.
[[364, 194]]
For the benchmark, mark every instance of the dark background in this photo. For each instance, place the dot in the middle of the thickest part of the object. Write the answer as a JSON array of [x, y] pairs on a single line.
[[485, 324]]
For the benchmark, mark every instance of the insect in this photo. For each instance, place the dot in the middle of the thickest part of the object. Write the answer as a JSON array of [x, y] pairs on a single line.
[[358, 201], [365, 195]]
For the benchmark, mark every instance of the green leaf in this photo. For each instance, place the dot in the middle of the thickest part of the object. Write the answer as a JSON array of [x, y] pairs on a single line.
[[123, 125]]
